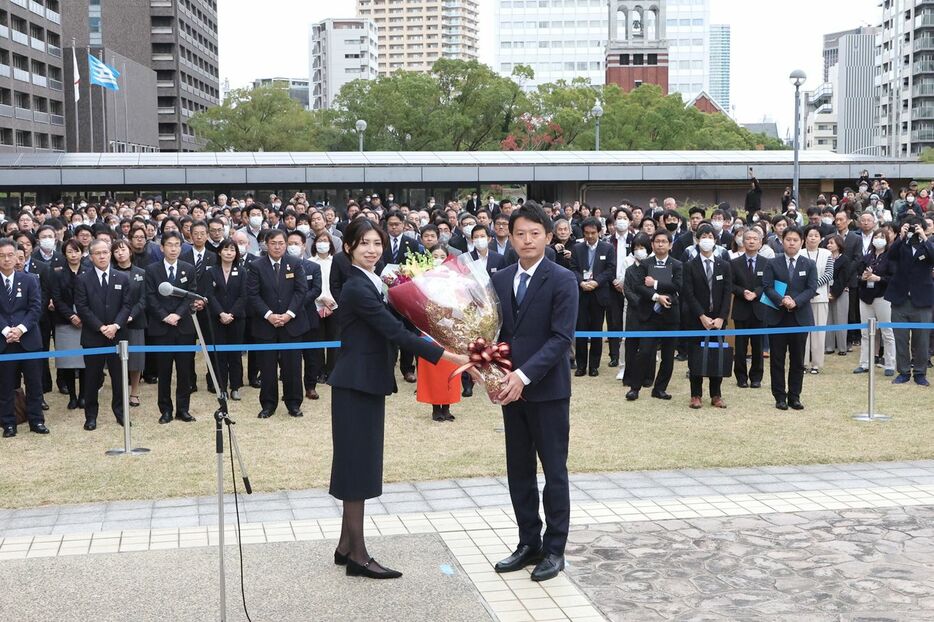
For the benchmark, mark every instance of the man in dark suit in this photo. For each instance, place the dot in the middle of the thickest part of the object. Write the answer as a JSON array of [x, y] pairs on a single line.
[[790, 308], [539, 307], [706, 302], [490, 261], [169, 323], [395, 252], [102, 302], [460, 236], [500, 242], [20, 308], [911, 292], [201, 257], [658, 282], [748, 313], [276, 288], [594, 265], [43, 271], [296, 247]]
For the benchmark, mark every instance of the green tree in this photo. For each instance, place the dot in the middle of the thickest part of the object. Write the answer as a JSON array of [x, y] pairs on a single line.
[[262, 119]]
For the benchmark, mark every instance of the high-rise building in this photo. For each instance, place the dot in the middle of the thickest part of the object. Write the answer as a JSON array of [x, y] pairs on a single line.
[[905, 78], [342, 50], [720, 64], [296, 87], [413, 34], [174, 39], [565, 39], [832, 50], [636, 49], [32, 99]]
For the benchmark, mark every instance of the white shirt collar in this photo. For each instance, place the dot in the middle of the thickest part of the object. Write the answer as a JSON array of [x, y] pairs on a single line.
[[273, 262], [373, 277], [100, 272], [169, 265], [530, 271]]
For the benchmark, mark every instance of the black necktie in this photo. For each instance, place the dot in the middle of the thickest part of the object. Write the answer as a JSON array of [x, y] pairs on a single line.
[[275, 268], [751, 266], [9, 287], [104, 281], [708, 268], [172, 275], [395, 247], [791, 268]]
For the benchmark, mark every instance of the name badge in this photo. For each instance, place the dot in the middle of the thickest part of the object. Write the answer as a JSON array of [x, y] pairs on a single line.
[[289, 275], [803, 273], [719, 277], [492, 269], [184, 279], [588, 274], [57, 268], [759, 273], [139, 277], [234, 273], [19, 294], [118, 287], [602, 257], [920, 257], [308, 278]]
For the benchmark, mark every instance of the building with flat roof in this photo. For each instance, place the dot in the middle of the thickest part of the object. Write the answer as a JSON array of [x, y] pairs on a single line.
[[341, 50], [32, 98], [720, 64], [297, 87]]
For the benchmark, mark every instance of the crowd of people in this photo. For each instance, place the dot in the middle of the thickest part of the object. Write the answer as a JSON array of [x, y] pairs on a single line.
[[87, 275]]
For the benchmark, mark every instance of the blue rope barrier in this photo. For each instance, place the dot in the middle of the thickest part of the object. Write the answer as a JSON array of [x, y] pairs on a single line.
[[671, 334], [907, 325], [54, 354]]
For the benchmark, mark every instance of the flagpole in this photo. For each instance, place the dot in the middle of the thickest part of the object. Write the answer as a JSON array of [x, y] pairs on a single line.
[[91, 101], [104, 106], [76, 87], [126, 108]]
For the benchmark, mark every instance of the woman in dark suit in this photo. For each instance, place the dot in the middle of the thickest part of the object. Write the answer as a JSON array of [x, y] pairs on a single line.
[[225, 284], [136, 327], [362, 378], [68, 324]]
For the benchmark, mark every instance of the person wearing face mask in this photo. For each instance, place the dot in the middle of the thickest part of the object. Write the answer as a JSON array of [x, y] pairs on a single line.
[[460, 237], [489, 260], [296, 248], [616, 312], [473, 204], [687, 238], [326, 305], [706, 298], [720, 221], [594, 265], [252, 229], [641, 243]]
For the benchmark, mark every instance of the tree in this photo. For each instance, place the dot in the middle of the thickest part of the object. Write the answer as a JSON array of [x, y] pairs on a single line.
[[261, 119]]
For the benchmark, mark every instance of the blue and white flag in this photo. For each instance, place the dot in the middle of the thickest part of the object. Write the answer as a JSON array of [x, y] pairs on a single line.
[[102, 74]]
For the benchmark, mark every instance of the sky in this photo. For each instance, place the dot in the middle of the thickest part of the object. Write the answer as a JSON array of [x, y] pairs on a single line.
[[770, 38]]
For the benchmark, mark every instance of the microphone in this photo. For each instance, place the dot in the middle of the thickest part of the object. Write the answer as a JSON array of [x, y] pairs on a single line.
[[167, 289]]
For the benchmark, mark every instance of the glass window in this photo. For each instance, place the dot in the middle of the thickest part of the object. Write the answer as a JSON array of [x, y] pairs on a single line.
[[94, 24]]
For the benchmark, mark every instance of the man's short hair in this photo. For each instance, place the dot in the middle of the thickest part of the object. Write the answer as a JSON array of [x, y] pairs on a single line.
[[531, 211]]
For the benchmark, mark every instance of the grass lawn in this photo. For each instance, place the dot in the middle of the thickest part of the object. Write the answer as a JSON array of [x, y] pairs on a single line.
[[607, 434]]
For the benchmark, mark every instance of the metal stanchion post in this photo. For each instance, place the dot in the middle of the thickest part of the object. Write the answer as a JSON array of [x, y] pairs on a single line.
[[871, 415], [123, 350]]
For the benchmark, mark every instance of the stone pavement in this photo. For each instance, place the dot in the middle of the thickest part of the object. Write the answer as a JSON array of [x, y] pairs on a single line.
[[629, 530]]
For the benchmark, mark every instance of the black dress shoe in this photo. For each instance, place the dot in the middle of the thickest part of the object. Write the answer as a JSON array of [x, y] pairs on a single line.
[[9, 431], [580, 372], [38, 428], [72, 404], [186, 417], [742, 384], [467, 392], [340, 560], [755, 385], [166, 418], [594, 373], [265, 414], [296, 413], [256, 384], [681, 357], [781, 405], [661, 395], [90, 425], [632, 395], [363, 570], [45, 405], [796, 404], [235, 395], [523, 556], [548, 568], [614, 362], [80, 402]]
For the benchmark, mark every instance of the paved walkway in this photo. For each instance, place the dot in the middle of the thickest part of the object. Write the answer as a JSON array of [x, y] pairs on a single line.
[[473, 519]]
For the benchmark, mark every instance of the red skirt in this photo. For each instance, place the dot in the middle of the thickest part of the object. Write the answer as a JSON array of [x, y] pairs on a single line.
[[433, 384]]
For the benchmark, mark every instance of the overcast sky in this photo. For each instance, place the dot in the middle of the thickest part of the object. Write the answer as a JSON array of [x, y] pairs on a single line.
[[770, 39]]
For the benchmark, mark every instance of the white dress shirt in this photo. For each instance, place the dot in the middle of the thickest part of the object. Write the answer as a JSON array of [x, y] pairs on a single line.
[[274, 263], [621, 255]]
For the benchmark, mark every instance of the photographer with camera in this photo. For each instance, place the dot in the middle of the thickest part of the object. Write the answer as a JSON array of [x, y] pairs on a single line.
[[911, 292]]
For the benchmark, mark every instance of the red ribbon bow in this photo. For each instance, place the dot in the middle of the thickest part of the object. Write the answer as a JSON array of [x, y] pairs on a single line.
[[484, 355]]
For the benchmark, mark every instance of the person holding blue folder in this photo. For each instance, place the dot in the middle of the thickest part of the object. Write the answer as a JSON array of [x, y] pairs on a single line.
[[789, 284]]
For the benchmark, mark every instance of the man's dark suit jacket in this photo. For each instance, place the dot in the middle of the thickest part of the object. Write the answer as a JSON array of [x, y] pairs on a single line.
[[540, 330], [227, 296], [24, 308], [159, 307], [802, 287], [494, 261], [313, 279], [743, 310], [370, 334], [697, 294], [911, 274], [604, 268], [672, 288], [97, 307], [266, 293], [406, 246]]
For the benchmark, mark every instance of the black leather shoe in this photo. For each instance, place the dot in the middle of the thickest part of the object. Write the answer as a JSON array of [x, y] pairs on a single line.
[[45, 405], [90, 425], [632, 395], [194, 388], [614, 362], [681, 357], [38, 428], [594, 373], [184, 416], [9, 431], [235, 395], [548, 568], [255, 384], [296, 413], [340, 560], [580, 372], [166, 418], [264, 414], [72, 404], [661, 395], [80, 402], [796, 404], [363, 570], [742, 384], [523, 556], [467, 392], [781, 405], [755, 385]]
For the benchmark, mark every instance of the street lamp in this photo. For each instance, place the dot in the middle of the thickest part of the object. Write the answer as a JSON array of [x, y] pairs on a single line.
[[361, 128], [797, 78], [597, 112]]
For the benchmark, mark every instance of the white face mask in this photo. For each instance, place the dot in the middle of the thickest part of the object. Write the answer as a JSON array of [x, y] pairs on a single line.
[[276, 205], [437, 261], [256, 221], [295, 250], [304, 229], [409, 234], [878, 243], [755, 218], [739, 240], [910, 199], [445, 237], [47, 244], [622, 224], [827, 221], [82, 205], [717, 225], [481, 244], [706, 245], [467, 230], [323, 247], [422, 222], [242, 248], [640, 254]]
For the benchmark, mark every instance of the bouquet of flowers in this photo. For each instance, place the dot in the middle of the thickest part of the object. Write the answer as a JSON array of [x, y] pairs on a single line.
[[454, 304]]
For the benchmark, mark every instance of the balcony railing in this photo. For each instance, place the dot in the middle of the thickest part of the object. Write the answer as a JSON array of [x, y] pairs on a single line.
[[53, 17], [57, 119], [163, 57], [37, 8], [165, 84], [4, 31], [55, 85], [924, 43], [37, 44], [161, 30], [922, 113], [20, 37], [23, 113], [922, 136], [166, 110], [40, 80], [20, 74], [6, 110], [55, 51], [22, 3], [41, 117], [5, 71]]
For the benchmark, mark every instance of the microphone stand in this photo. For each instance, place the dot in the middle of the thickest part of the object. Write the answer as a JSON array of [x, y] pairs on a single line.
[[221, 417]]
